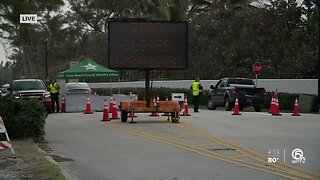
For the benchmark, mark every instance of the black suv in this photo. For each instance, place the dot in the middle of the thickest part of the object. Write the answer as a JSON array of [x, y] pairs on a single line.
[[31, 88]]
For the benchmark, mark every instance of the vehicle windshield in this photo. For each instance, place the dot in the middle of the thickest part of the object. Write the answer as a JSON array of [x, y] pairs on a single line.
[[28, 85], [241, 81]]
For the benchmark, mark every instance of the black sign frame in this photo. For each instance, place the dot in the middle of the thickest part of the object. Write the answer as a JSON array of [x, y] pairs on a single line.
[[183, 64]]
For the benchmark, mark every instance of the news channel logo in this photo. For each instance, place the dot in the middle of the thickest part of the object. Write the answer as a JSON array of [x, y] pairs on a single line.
[[273, 156], [297, 155], [28, 18]]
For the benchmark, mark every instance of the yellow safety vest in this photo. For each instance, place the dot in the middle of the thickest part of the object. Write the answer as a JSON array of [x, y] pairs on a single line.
[[54, 87], [195, 88]]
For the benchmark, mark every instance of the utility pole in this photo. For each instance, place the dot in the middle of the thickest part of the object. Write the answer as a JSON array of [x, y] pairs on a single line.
[[46, 56]]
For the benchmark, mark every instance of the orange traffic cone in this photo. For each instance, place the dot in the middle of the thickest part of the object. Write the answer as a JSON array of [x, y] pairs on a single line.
[[296, 108], [236, 107], [105, 116], [277, 108], [114, 110], [166, 113], [111, 104], [186, 108], [154, 113], [272, 105], [63, 105], [88, 106]]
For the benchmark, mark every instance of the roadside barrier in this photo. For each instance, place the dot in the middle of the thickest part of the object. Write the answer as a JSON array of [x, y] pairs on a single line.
[[236, 107], [7, 143], [296, 108], [88, 106], [105, 116]]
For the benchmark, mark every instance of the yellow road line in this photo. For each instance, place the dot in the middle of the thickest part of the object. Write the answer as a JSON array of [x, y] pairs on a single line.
[[270, 168], [180, 137], [248, 152], [203, 145]]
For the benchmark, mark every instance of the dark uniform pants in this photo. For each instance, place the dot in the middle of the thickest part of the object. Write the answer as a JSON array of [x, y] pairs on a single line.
[[196, 103], [55, 99]]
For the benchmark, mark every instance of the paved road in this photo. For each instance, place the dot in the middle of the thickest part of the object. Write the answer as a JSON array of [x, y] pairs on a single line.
[[100, 151]]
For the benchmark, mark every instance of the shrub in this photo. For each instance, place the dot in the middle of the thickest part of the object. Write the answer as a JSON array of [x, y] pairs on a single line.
[[23, 118]]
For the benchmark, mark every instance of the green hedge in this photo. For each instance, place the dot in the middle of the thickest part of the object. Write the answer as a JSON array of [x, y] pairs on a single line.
[[23, 118], [286, 100]]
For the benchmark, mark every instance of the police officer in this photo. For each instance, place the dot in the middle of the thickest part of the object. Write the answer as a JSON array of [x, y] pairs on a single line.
[[54, 89], [196, 91]]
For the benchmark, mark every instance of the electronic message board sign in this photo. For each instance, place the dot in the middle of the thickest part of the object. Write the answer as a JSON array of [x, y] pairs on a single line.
[[147, 45]]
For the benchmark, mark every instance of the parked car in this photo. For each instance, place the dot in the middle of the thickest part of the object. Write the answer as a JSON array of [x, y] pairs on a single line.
[[31, 88], [4, 89], [78, 88], [225, 91]]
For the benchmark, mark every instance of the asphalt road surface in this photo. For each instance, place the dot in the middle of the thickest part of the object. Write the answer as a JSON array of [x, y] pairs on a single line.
[[206, 145]]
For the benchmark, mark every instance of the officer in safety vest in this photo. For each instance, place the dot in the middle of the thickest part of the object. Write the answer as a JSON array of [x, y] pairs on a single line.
[[54, 89], [196, 91]]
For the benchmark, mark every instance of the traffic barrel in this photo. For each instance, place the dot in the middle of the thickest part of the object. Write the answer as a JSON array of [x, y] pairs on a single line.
[[88, 106], [105, 116], [296, 108]]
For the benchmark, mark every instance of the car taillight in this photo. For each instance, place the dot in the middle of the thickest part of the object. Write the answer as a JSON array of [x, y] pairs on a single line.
[[234, 91]]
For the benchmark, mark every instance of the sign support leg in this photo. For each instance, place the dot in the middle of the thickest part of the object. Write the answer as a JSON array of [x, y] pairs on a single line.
[[147, 85]]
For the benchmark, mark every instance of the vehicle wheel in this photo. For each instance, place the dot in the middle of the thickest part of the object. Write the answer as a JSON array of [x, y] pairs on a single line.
[[227, 103], [124, 116], [257, 108], [210, 105]]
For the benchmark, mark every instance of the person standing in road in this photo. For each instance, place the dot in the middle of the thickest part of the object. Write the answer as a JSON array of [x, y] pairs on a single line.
[[196, 91], [54, 89]]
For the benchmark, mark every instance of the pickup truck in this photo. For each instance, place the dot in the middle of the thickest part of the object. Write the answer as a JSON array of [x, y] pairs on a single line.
[[225, 91], [31, 88]]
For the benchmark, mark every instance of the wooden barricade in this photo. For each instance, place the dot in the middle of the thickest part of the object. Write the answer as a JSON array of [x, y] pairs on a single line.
[[7, 143]]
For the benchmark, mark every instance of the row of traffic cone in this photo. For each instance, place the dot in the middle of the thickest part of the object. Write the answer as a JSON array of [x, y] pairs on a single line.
[[274, 107], [112, 109]]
